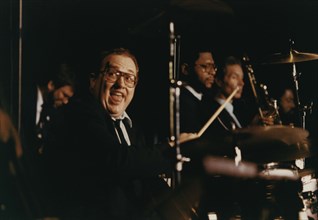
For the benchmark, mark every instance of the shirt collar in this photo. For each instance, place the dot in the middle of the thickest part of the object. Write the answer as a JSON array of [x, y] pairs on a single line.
[[125, 117], [39, 103], [196, 94], [229, 107]]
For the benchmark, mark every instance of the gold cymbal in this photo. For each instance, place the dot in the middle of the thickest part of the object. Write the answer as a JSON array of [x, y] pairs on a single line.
[[258, 144], [273, 143], [292, 57], [286, 134]]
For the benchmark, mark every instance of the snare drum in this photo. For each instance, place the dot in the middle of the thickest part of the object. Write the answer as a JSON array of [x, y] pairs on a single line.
[[279, 171], [276, 193]]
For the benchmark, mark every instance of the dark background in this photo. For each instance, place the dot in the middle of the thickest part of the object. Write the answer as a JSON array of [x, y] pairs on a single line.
[[77, 30]]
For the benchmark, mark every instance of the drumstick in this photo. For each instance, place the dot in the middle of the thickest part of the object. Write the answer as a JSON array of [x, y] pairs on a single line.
[[213, 117]]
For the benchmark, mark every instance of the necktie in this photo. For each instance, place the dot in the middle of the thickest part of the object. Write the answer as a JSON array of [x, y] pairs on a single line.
[[120, 132], [42, 128]]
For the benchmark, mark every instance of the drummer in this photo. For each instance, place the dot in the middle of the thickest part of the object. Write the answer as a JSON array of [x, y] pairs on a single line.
[[227, 80]]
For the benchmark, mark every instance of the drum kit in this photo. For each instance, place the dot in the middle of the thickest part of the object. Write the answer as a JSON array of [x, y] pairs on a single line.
[[267, 161], [266, 168]]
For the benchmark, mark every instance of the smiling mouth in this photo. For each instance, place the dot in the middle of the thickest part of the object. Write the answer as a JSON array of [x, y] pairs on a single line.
[[116, 97]]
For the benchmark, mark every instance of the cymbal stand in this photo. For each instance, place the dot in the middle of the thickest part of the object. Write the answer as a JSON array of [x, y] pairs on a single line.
[[174, 104], [296, 86], [302, 110], [300, 163]]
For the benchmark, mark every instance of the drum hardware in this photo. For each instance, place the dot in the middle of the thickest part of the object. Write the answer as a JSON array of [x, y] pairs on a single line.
[[309, 193], [279, 171], [174, 104], [274, 194]]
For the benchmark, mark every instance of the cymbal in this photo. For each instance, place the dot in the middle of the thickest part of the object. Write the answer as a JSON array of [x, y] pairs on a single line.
[[209, 146], [186, 14], [224, 166], [286, 134], [292, 57], [274, 143], [258, 144]]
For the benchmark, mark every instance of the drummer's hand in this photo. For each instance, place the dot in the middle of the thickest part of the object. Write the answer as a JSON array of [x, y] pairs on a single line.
[[184, 137], [266, 120]]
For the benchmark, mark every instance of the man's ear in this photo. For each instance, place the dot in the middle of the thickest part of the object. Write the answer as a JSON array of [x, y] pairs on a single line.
[[92, 80], [185, 69], [50, 86]]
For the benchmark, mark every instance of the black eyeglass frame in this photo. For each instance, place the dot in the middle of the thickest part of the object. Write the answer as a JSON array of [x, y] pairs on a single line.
[[112, 75]]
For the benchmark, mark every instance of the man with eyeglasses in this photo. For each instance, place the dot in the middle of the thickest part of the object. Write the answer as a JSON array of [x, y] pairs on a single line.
[[108, 171], [198, 72]]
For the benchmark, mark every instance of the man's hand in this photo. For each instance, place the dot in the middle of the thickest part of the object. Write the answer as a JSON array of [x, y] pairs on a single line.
[[184, 137]]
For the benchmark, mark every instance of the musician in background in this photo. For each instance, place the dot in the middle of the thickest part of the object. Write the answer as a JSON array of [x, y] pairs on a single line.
[[43, 101], [287, 107], [228, 79], [198, 75]]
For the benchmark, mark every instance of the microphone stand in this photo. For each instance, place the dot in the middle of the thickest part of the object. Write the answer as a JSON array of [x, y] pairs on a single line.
[[174, 105]]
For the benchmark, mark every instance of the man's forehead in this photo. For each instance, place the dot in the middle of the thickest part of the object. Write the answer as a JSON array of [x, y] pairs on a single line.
[[234, 68], [120, 62], [205, 56]]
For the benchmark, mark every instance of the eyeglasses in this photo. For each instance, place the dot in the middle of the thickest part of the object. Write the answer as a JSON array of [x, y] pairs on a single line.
[[208, 67], [112, 75]]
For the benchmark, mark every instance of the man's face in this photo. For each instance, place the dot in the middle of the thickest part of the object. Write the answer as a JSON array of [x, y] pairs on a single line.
[[205, 69], [287, 102], [233, 78], [62, 95], [115, 96]]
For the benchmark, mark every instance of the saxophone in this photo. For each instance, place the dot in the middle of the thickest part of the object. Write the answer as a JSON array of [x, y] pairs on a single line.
[[271, 106], [267, 107]]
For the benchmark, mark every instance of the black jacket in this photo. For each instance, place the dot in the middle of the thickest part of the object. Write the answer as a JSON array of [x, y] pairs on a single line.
[[96, 177]]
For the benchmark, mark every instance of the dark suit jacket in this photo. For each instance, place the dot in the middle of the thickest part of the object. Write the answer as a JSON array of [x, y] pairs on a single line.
[[96, 177], [33, 161], [190, 112]]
